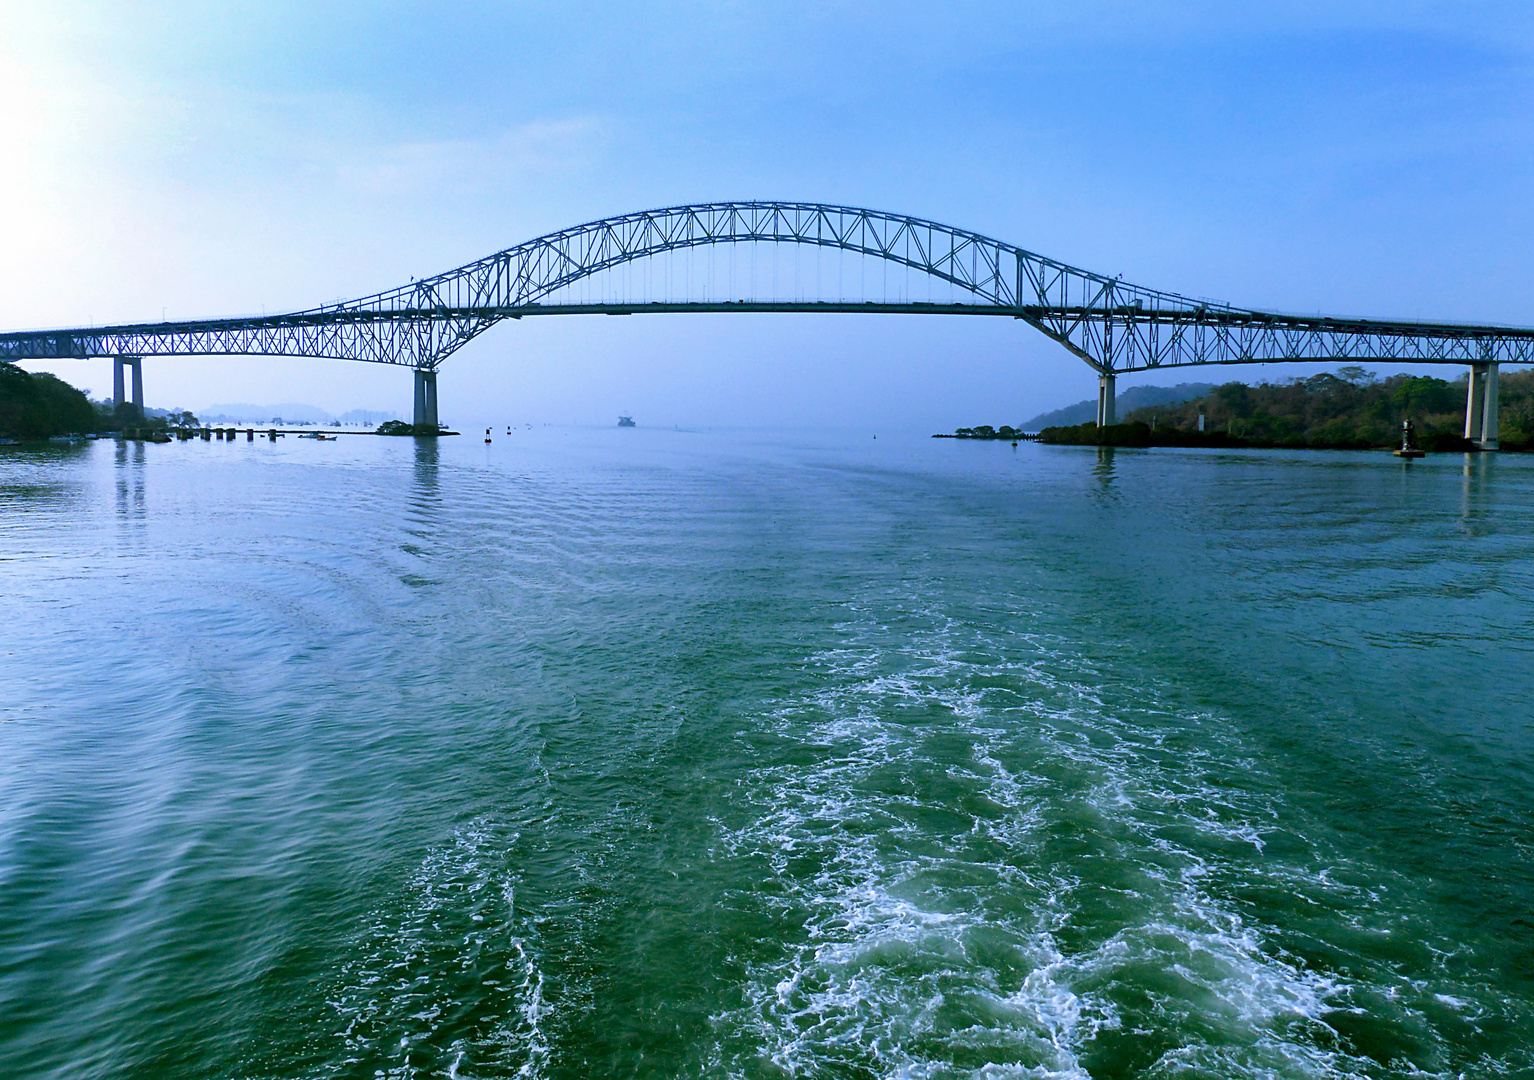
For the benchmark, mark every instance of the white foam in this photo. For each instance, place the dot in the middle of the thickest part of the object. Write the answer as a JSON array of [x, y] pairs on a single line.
[[395, 998], [884, 982]]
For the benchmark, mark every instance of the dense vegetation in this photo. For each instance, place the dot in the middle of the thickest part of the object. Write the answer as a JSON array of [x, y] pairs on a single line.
[[1349, 410], [36, 405], [1136, 433], [40, 406]]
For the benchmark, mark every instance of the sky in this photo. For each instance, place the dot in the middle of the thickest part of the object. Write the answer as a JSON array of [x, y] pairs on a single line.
[[183, 160]]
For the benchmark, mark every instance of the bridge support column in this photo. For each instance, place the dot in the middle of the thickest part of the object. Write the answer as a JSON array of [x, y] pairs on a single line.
[[118, 363], [425, 398], [1481, 405], [1106, 395]]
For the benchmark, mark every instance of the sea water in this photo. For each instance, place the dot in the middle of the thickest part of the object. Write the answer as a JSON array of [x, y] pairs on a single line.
[[707, 754]]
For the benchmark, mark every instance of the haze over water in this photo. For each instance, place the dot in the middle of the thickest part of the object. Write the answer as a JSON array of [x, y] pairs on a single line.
[[658, 753]]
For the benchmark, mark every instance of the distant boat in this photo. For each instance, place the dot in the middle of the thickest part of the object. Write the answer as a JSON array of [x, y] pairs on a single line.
[[626, 421]]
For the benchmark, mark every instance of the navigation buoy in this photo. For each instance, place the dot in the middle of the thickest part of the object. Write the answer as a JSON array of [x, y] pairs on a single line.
[[487, 434], [1409, 448]]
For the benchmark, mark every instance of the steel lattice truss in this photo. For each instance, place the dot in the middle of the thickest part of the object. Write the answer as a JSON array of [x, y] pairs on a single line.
[[1112, 325]]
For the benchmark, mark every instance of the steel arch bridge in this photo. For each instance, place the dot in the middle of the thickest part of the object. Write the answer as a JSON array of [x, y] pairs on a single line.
[[1112, 325]]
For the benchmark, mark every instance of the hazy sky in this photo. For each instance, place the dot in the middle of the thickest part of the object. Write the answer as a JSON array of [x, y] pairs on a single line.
[[181, 160]]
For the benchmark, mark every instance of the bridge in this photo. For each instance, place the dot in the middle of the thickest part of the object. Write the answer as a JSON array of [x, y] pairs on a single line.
[[615, 267]]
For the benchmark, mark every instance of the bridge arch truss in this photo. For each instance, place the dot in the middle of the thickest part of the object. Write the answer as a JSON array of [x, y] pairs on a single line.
[[1112, 325]]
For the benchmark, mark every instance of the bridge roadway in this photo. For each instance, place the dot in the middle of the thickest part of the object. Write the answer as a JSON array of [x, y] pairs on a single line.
[[1112, 325]]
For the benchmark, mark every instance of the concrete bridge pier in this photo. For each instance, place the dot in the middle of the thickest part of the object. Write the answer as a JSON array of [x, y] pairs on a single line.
[[1106, 394], [135, 362], [1481, 405], [425, 398]]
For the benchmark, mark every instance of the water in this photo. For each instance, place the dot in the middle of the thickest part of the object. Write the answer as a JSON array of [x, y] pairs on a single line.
[[671, 754]]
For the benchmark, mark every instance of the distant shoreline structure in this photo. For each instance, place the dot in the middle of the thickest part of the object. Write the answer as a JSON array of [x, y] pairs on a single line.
[[291, 413]]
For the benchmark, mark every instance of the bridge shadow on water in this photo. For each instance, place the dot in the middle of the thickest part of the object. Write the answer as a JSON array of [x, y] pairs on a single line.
[[1103, 471], [129, 462], [427, 457], [1477, 505]]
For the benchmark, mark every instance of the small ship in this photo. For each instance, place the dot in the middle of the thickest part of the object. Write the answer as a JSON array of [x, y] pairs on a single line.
[[626, 421]]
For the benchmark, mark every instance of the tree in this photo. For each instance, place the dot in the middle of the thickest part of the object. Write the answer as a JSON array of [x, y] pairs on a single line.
[[40, 406]]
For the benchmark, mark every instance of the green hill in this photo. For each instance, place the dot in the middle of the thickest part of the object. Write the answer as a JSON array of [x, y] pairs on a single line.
[[1135, 397]]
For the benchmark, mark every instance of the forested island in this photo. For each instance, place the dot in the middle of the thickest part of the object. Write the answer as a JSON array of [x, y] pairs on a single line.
[[986, 431], [1349, 410], [399, 427]]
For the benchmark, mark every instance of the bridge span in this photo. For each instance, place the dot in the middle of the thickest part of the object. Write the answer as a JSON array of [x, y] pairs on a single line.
[[1112, 325]]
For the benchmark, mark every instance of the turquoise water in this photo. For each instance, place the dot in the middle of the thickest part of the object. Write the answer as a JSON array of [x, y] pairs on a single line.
[[670, 754]]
